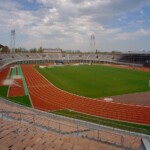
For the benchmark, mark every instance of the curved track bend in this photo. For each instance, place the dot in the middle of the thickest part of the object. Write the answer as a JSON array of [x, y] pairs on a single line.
[[46, 96]]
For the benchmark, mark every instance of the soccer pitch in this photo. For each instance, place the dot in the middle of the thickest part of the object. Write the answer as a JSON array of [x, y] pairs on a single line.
[[96, 81]]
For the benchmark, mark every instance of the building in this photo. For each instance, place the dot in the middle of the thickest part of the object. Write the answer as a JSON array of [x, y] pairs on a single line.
[[52, 50]]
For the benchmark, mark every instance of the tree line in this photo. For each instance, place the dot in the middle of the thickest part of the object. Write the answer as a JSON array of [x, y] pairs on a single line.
[[6, 49]]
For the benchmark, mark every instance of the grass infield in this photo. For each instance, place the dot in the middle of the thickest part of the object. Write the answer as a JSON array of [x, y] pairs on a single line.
[[108, 122], [96, 81], [23, 100]]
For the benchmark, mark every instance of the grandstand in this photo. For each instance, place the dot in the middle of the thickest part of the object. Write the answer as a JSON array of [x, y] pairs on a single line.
[[135, 58], [35, 128], [26, 128], [127, 59]]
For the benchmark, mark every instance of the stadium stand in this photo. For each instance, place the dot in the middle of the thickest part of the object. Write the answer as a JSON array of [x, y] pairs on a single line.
[[26, 128], [127, 59], [54, 56], [135, 58]]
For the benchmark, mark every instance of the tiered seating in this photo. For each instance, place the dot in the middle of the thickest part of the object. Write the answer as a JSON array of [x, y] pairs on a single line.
[[5, 58], [103, 57], [14, 135], [29, 56], [54, 56], [76, 57], [82, 56], [64, 56], [135, 58], [92, 57], [107, 57], [43, 56], [31, 129], [114, 58], [132, 142], [8, 58], [1, 61], [33, 117]]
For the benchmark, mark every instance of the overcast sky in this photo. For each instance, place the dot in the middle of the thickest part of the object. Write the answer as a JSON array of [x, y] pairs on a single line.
[[68, 24]]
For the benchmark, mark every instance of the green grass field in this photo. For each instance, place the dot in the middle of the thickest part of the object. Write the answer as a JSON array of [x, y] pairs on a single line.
[[103, 121], [23, 100], [3, 91], [97, 81]]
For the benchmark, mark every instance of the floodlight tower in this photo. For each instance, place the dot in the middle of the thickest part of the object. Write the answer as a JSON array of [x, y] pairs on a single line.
[[13, 41], [92, 43]]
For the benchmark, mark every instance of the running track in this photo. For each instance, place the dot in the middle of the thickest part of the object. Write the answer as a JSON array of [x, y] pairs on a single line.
[[3, 75], [46, 96], [16, 90]]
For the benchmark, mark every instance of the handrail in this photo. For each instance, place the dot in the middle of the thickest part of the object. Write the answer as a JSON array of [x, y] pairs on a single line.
[[74, 129], [80, 122]]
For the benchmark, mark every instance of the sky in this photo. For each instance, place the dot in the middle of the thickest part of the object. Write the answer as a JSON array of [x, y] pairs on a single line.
[[121, 25]]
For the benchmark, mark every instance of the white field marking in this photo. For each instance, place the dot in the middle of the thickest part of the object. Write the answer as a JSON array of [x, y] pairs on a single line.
[[8, 91], [87, 97], [31, 101], [38, 85], [42, 67], [17, 77], [8, 88], [108, 119], [107, 99], [129, 94], [8, 82]]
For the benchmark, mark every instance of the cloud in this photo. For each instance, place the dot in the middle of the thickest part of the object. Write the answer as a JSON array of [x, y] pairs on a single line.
[[141, 12], [69, 23], [132, 35]]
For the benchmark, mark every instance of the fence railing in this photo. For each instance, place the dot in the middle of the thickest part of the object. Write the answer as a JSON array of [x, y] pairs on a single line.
[[95, 126], [61, 127]]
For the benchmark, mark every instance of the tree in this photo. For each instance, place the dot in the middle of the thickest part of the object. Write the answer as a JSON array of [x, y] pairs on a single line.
[[5, 49], [33, 50]]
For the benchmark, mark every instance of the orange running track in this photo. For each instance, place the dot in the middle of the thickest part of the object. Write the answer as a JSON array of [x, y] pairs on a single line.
[[46, 96], [3, 75], [15, 90]]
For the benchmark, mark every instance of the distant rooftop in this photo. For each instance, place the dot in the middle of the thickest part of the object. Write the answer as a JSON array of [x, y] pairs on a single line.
[[52, 50]]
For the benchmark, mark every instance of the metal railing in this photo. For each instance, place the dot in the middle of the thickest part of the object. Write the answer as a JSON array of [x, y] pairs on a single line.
[[59, 126], [43, 112]]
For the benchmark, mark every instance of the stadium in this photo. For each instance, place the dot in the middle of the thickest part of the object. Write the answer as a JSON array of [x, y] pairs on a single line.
[[75, 101]]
